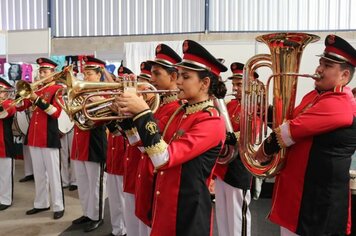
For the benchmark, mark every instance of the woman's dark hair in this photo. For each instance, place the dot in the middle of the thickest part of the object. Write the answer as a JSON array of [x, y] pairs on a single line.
[[217, 87], [170, 70]]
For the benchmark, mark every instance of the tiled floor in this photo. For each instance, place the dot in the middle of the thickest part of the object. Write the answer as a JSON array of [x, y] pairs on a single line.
[[14, 221]]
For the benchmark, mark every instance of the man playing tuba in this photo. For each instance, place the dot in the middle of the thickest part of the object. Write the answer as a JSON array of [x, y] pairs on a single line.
[[311, 193]]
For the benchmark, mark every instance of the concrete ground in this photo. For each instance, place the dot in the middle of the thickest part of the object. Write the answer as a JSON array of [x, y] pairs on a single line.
[[14, 221]]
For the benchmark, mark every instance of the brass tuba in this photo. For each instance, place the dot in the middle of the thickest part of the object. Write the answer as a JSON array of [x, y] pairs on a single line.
[[284, 61]]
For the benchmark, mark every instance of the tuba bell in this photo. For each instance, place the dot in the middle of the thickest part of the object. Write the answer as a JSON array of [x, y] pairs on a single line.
[[284, 61]]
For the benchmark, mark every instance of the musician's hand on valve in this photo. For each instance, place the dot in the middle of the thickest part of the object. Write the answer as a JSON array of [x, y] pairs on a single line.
[[131, 103], [261, 155], [230, 138]]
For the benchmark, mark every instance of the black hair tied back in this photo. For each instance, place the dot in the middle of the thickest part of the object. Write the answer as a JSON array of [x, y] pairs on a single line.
[[220, 90]]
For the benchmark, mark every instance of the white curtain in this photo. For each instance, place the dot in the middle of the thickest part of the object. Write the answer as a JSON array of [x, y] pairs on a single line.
[[137, 52]]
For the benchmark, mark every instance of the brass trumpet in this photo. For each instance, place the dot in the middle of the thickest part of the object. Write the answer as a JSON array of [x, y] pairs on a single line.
[[94, 110], [85, 113], [24, 89]]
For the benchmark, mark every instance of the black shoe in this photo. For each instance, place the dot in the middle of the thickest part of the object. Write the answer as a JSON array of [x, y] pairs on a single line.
[[72, 187], [58, 214], [94, 224], [81, 220], [36, 210], [4, 207], [26, 178]]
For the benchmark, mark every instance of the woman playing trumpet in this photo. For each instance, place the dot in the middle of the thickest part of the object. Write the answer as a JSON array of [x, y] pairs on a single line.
[[88, 156], [185, 161]]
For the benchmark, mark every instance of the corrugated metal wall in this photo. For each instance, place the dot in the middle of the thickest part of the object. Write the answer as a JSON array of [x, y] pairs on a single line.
[[279, 15], [23, 14], [127, 17], [139, 17]]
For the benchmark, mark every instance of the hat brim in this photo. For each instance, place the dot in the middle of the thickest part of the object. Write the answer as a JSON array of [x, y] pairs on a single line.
[[160, 63], [235, 77], [141, 76], [332, 59], [190, 66]]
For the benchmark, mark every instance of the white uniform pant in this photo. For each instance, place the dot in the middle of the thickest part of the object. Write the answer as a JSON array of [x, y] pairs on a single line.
[[27, 160], [45, 164], [6, 180], [67, 170], [287, 232], [134, 226], [233, 215], [115, 192], [88, 182]]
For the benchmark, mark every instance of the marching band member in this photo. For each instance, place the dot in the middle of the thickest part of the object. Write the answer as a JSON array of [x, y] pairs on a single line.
[[116, 153], [67, 170], [43, 141], [28, 168], [7, 112], [133, 226], [233, 182], [185, 162], [89, 155], [164, 77], [311, 193]]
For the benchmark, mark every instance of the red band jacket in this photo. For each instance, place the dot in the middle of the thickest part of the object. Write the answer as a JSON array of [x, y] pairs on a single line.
[[184, 164], [89, 145], [116, 152], [43, 128], [311, 193], [7, 113], [145, 172]]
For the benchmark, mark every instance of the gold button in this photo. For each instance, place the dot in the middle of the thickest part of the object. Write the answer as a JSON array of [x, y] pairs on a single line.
[[36, 123], [77, 133], [127, 159], [113, 136], [161, 172], [142, 157], [37, 113], [157, 192], [112, 148], [139, 175]]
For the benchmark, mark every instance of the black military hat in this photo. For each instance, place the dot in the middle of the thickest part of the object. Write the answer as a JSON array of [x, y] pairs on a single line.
[[46, 63], [165, 56], [93, 63], [339, 50], [196, 57], [123, 70], [237, 71], [145, 71], [4, 83]]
